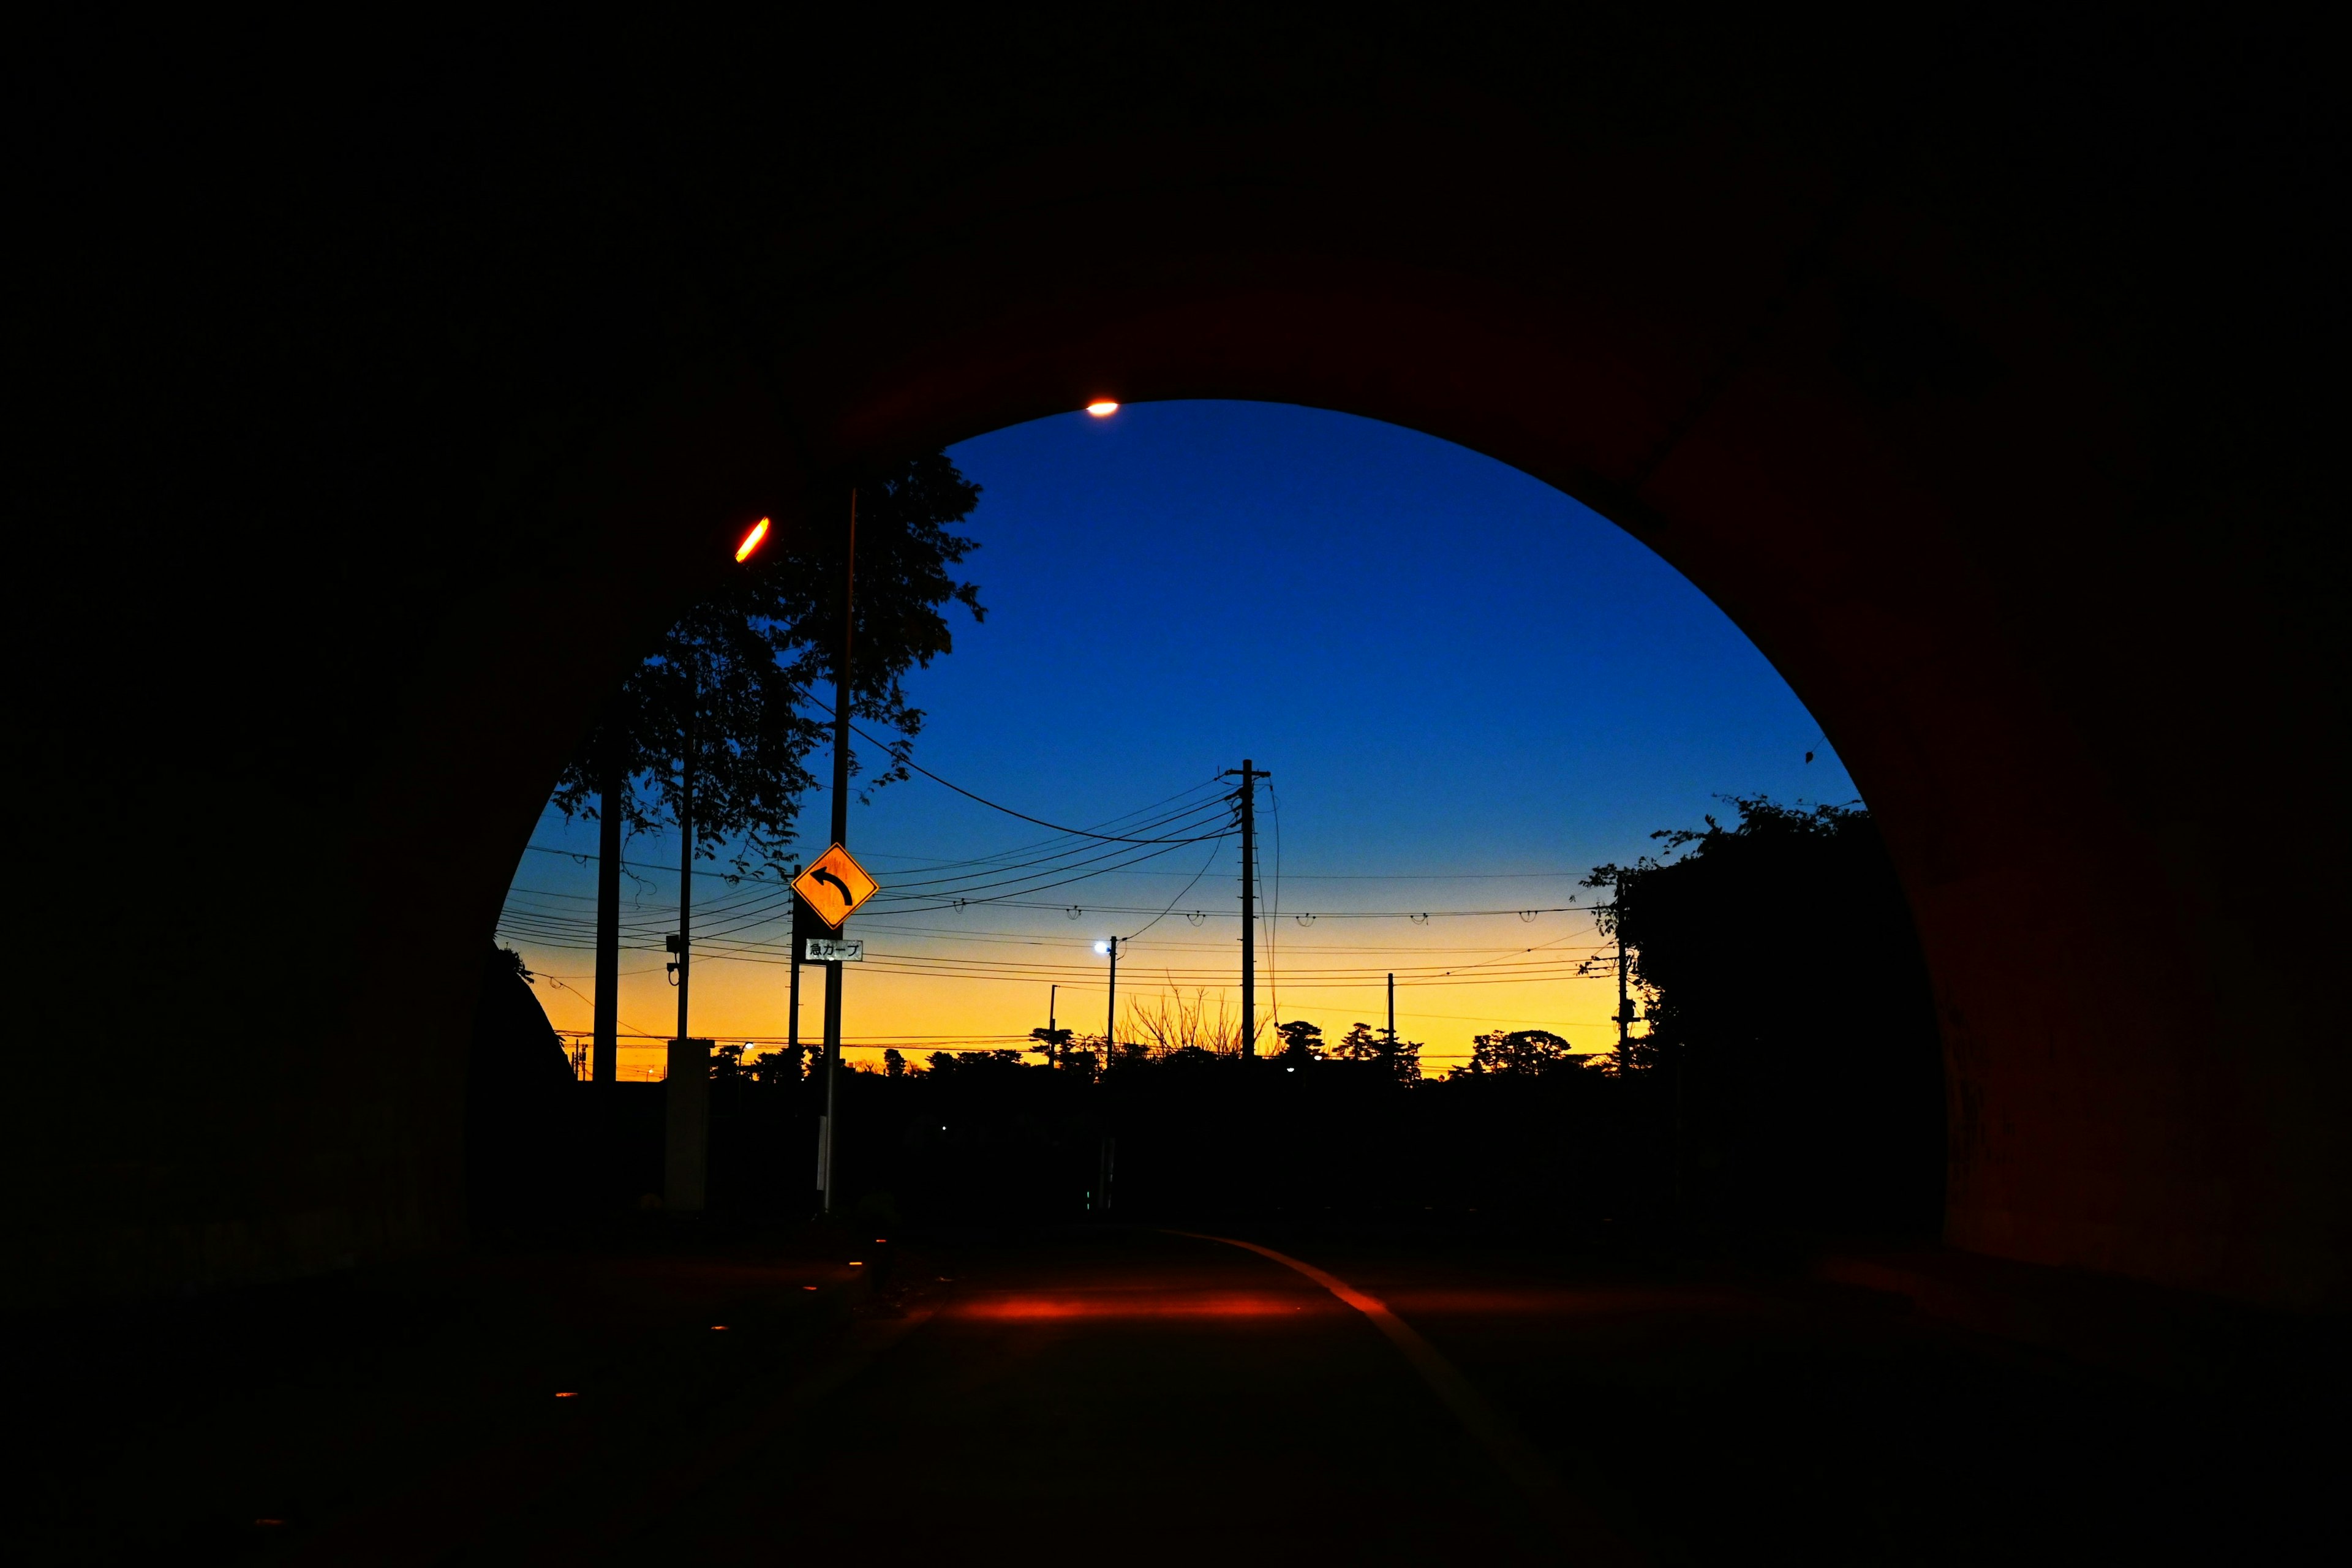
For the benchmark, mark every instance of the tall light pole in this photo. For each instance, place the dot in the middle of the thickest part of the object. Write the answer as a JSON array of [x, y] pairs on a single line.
[[1249, 777], [684, 965], [1110, 1023], [614, 782], [841, 699]]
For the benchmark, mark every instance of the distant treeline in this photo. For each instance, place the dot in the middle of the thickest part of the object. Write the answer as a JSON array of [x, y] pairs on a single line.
[[1787, 1077]]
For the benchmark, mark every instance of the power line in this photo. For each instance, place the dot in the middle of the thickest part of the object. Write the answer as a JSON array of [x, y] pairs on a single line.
[[1180, 897], [1274, 910], [553, 926], [745, 913], [994, 805], [1059, 862]]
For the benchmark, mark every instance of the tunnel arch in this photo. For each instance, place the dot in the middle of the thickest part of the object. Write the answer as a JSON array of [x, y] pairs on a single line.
[[1875, 395], [1592, 576]]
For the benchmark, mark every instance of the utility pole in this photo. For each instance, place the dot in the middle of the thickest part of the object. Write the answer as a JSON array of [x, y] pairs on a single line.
[[605, 1058], [793, 1010], [841, 699], [1110, 1023], [1392, 1014], [686, 865], [1249, 777], [1624, 1009], [1053, 993]]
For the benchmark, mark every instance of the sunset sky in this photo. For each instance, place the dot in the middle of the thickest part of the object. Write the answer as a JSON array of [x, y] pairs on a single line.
[[1469, 690]]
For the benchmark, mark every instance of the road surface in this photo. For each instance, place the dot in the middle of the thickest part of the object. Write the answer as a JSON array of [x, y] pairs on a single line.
[[1120, 1397]]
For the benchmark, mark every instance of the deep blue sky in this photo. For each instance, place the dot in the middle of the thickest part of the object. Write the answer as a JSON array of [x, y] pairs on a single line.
[[1452, 670], [1448, 665]]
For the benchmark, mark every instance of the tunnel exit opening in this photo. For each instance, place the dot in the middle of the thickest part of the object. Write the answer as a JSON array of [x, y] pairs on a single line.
[[1803, 1095]]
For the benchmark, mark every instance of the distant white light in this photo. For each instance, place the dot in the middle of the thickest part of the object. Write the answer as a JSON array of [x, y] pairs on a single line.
[[1102, 408], [1103, 948]]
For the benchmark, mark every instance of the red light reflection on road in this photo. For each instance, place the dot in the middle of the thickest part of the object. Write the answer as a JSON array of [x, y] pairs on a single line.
[[1553, 1301], [1130, 1304]]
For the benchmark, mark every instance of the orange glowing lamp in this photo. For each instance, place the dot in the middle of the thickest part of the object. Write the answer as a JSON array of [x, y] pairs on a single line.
[[1102, 408], [752, 540]]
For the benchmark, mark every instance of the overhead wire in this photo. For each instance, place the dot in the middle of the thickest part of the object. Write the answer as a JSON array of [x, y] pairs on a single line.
[[583, 856], [1052, 848], [957, 899], [1180, 895], [1274, 914], [1122, 819], [772, 903], [1014, 902], [998, 878], [1123, 846], [995, 805]]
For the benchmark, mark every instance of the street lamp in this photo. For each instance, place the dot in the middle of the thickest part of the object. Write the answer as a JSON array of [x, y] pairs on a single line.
[[1109, 949], [753, 540], [1102, 407]]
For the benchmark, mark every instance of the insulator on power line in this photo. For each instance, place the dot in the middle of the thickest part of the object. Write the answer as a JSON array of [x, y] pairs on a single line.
[[1304, 919], [1418, 920], [1196, 917], [1526, 914], [1075, 911]]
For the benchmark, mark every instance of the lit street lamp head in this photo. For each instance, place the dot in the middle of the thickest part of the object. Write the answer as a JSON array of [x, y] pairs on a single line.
[[1102, 408], [1103, 948], [752, 540]]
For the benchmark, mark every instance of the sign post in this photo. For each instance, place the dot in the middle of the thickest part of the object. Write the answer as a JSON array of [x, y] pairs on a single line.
[[831, 889]]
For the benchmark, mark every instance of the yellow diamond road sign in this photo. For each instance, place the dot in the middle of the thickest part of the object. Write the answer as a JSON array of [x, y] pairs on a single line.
[[835, 886]]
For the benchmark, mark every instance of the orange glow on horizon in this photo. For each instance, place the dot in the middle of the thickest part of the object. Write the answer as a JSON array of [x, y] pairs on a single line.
[[919, 1013], [1102, 408], [752, 540]]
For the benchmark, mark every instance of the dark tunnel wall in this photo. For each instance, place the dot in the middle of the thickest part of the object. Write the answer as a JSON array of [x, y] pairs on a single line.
[[385, 416]]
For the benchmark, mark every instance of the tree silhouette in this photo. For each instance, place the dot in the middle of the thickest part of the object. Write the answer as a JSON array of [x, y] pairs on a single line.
[[1519, 1053], [1791, 1007], [1363, 1043], [718, 719], [1302, 1042], [781, 1066], [735, 680]]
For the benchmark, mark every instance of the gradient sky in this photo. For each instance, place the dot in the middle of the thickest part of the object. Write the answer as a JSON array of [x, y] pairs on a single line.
[[1469, 688]]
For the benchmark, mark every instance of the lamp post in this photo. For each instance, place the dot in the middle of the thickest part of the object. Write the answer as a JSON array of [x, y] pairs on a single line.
[[833, 976], [1109, 948]]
